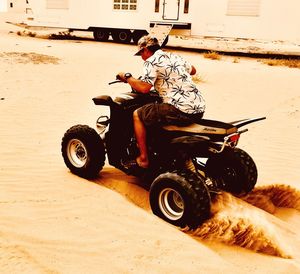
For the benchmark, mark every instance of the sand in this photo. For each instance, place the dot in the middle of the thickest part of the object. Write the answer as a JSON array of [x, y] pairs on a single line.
[[55, 222]]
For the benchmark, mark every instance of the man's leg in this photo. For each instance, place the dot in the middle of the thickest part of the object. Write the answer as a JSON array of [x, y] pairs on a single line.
[[140, 134]]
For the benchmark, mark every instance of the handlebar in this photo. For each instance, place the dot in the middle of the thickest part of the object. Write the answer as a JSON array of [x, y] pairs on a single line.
[[119, 81], [114, 82]]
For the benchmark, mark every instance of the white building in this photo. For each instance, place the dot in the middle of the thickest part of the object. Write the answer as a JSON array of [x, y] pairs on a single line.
[[15, 6], [250, 19], [3, 5]]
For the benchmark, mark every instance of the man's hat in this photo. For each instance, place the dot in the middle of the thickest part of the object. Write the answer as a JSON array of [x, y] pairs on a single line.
[[145, 42]]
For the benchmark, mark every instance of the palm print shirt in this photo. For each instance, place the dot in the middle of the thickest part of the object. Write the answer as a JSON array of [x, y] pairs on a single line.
[[170, 76]]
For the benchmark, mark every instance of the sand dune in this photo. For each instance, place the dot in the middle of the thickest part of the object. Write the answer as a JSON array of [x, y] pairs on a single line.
[[55, 222]]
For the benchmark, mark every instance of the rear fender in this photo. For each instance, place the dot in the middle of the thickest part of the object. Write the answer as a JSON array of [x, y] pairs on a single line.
[[244, 122]]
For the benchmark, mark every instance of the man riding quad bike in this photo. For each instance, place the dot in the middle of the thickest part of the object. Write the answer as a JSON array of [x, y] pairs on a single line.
[[184, 161], [188, 164]]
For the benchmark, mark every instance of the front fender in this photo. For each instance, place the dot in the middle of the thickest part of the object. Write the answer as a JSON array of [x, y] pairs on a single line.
[[103, 100]]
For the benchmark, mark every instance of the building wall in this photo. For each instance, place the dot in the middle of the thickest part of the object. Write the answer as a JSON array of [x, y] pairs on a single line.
[[83, 14], [269, 20], [250, 19], [17, 6], [3, 5]]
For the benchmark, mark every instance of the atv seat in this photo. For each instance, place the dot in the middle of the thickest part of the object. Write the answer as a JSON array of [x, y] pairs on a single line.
[[205, 127], [103, 100], [127, 100]]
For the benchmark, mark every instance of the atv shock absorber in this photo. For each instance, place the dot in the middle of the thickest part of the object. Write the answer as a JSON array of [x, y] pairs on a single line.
[[189, 164], [211, 185]]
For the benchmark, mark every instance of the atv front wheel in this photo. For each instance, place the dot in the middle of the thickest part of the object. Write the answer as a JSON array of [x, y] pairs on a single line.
[[233, 170], [180, 198], [83, 151]]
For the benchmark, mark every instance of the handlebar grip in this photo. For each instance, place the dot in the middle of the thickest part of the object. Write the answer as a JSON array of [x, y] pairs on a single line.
[[116, 81]]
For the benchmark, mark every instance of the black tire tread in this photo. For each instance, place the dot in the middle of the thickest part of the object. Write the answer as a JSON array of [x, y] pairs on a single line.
[[197, 192], [246, 168], [94, 145], [105, 35], [116, 36]]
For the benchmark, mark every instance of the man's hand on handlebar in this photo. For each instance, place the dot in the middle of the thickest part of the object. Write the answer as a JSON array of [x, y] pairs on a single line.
[[123, 76], [136, 84]]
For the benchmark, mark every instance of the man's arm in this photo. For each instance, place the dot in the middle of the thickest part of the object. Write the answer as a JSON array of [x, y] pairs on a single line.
[[136, 84], [139, 85]]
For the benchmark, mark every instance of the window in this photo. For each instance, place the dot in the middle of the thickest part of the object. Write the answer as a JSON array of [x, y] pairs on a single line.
[[125, 4], [156, 5], [243, 7], [186, 6]]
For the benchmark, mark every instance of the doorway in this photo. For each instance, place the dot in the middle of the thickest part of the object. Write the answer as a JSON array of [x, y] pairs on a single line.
[[171, 9]]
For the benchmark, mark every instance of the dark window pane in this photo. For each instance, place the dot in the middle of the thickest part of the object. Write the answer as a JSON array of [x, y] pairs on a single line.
[[186, 6], [156, 5]]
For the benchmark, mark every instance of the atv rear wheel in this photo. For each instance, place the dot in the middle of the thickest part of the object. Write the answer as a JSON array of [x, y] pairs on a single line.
[[83, 151], [180, 198], [233, 170]]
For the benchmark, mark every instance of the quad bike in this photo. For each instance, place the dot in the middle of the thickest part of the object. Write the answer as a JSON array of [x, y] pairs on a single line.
[[188, 165]]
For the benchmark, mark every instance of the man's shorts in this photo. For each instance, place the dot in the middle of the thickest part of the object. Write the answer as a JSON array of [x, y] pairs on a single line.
[[161, 114]]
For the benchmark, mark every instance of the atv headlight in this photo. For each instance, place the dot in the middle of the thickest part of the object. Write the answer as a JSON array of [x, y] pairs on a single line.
[[102, 123]]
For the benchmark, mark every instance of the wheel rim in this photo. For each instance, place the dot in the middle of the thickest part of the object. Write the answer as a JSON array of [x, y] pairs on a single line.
[[171, 204], [123, 36], [77, 153], [100, 35], [229, 174]]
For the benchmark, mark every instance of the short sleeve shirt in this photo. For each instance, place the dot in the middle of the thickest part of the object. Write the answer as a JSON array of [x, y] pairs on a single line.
[[170, 75]]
